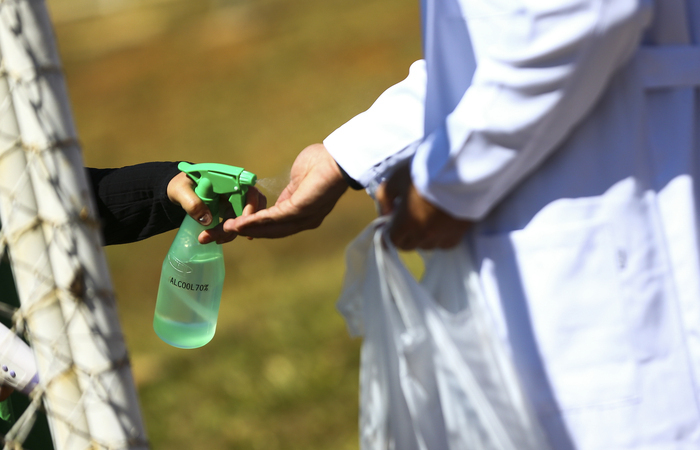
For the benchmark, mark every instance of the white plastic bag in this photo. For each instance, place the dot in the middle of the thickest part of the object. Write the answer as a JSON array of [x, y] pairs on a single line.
[[432, 375]]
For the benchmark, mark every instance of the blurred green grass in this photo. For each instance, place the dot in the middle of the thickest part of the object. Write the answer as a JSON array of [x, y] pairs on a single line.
[[249, 84]]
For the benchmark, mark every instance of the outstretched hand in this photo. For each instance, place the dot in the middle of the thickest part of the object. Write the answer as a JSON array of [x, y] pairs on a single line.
[[415, 222], [315, 186], [181, 192]]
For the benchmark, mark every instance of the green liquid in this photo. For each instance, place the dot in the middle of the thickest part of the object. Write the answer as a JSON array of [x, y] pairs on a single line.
[[191, 281], [183, 335], [188, 302]]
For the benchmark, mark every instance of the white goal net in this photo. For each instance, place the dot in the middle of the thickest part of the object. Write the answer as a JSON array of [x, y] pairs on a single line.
[[51, 232]]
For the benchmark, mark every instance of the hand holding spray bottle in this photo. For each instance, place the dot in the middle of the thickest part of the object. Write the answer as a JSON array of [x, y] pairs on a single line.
[[192, 276]]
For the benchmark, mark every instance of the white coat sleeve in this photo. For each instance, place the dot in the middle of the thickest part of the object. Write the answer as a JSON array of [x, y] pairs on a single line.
[[366, 145], [540, 69]]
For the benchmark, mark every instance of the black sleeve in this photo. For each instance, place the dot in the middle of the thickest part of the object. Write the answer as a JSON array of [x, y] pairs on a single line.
[[133, 202]]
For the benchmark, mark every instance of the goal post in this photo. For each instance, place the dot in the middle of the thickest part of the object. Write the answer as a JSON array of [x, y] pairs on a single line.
[[51, 230]]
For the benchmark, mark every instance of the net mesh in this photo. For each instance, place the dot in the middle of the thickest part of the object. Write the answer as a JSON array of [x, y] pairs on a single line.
[[50, 230]]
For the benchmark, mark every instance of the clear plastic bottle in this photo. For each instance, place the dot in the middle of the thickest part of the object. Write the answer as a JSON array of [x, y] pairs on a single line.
[[189, 293], [192, 276]]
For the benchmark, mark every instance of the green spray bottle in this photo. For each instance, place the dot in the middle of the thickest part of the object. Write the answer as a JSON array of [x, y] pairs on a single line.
[[192, 276]]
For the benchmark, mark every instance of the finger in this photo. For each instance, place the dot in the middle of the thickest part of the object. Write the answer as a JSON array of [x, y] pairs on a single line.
[[455, 236], [205, 237], [226, 237], [274, 222], [386, 203], [238, 224], [281, 212], [267, 228], [399, 180], [447, 244], [394, 187], [180, 192], [275, 230], [443, 231], [431, 243], [434, 236], [404, 240], [255, 201], [216, 234], [402, 229], [406, 243]]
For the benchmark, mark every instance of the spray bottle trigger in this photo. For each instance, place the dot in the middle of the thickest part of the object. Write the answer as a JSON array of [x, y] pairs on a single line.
[[212, 179], [238, 203]]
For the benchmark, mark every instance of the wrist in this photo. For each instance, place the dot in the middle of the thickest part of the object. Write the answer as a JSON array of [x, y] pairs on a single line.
[[352, 183]]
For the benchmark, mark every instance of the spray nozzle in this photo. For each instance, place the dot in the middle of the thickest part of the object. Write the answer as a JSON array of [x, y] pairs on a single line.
[[214, 179]]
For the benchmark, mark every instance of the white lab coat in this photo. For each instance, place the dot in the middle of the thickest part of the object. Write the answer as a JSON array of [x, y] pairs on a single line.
[[569, 130]]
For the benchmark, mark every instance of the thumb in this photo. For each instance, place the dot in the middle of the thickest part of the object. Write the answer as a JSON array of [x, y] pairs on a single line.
[[180, 191]]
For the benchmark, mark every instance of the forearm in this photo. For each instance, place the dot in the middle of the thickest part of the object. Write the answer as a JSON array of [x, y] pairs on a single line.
[[133, 203]]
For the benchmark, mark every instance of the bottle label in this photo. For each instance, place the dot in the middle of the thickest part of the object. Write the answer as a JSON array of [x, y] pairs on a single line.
[[188, 286]]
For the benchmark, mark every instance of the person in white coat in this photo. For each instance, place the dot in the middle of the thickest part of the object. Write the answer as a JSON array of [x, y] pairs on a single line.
[[562, 139]]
